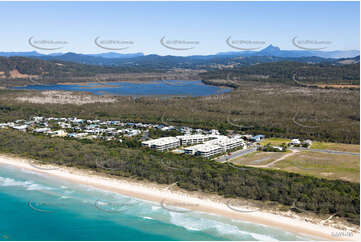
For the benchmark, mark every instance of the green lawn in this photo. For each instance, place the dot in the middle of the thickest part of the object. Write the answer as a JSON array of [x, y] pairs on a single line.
[[330, 166], [258, 158], [336, 146], [275, 141]]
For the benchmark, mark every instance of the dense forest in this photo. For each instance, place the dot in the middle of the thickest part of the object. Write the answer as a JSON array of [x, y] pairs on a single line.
[[54, 68], [320, 196], [283, 72], [217, 70]]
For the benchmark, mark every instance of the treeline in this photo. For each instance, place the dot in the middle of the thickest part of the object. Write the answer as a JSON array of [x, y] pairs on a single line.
[[320, 73], [60, 69], [320, 196]]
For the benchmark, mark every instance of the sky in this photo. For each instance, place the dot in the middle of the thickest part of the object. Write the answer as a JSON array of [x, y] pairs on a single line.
[[199, 27]]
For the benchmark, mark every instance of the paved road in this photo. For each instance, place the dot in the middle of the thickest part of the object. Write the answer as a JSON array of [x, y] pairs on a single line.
[[336, 152], [236, 154]]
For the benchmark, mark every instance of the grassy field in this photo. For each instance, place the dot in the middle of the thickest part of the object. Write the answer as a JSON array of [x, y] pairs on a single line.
[[275, 141], [330, 166], [258, 158], [336, 146], [317, 145]]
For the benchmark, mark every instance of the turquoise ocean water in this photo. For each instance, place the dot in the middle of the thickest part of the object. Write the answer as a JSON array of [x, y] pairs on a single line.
[[35, 206]]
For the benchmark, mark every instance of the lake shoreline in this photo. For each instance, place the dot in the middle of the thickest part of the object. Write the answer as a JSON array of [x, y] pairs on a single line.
[[134, 88]]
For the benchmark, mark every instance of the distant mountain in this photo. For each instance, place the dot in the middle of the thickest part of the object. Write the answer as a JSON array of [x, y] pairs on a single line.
[[157, 62], [277, 52], [269, 51], [114, 55], [220, 60], [348, 60], [24, 54]]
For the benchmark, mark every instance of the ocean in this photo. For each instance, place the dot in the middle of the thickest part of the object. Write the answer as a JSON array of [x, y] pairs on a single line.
[[169, 87], [35, 206]]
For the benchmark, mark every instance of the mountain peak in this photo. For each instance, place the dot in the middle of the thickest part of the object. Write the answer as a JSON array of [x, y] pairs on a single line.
[[271, 48]]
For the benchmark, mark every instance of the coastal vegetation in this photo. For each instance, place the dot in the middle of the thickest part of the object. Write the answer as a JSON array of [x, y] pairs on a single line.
[[313, 194]]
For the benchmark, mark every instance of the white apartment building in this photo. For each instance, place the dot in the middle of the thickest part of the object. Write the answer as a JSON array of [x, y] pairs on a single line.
[[161, 144], [208, 150], [229, 144], [213, 147], [193, 139], [192, 149]]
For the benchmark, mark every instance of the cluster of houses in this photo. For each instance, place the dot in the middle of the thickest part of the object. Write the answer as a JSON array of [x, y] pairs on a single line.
[[200, 142], [77, 128]]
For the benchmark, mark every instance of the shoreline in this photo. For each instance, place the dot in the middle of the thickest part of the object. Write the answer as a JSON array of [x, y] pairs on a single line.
[[161, 193], [119, 81]]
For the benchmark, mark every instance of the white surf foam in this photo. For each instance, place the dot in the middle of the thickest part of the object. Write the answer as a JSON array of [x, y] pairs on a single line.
[[28, 185]]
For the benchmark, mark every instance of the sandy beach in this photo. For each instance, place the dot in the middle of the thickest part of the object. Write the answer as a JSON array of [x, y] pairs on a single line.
[[212, 204]]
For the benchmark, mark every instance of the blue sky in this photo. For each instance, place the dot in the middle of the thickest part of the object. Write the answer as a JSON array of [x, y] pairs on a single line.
[[208, 23]]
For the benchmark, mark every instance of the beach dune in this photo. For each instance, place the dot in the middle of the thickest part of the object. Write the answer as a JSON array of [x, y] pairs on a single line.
[[184, 199]]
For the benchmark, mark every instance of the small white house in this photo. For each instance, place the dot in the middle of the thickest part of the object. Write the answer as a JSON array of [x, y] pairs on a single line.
[[59, 133], [41, 130], [20, 127], [295, 142], [38, 119]]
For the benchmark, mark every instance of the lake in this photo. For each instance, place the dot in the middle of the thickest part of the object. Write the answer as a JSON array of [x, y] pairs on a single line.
[[151, 88]]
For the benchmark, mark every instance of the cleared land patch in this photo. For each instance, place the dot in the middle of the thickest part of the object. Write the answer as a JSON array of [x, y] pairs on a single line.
[[336, 146], [275, 141], [64, 97], [258, 158], [324, 165]]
